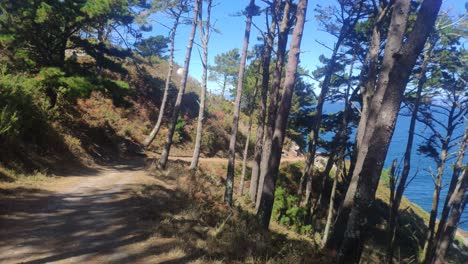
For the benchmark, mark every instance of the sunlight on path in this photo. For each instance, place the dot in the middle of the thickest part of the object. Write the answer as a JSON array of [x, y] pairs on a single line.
[[89, 219]]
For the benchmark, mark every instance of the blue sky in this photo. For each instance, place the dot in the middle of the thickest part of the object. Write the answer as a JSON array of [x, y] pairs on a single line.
[[232, 28]]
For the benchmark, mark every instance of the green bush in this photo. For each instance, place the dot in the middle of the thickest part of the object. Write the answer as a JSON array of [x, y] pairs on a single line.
[[55, 82], [179, 133], [8, 121], [385, 177], [24, 106], [287, 212]]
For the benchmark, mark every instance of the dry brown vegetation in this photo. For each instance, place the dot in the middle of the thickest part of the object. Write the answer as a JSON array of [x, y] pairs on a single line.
[[209, 231]]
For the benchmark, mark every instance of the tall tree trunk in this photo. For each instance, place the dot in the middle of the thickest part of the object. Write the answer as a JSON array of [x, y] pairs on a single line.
[[175, 114], [240, 82], [266, 59], [249, 132], [395, 203], [342, 138], [157, 126], [268, 191], [398, 62], [205, 38], [453, 183], [368, 79], [428, 246], [457, 202], [274, 92]]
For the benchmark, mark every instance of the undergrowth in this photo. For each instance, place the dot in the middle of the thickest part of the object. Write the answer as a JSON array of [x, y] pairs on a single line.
[[208, 230]]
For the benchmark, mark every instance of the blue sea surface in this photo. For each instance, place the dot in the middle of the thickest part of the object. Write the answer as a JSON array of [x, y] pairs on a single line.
[[420, 190]]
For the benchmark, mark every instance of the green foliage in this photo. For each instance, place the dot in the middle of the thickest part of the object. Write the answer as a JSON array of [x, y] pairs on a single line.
[[8, 120], [37, 34], [57, 84], [301, 114], [179, 133], [153, 46], [24, 105], [385, 177], [225, 70], [286, 211], [252, 77], [29, 102]]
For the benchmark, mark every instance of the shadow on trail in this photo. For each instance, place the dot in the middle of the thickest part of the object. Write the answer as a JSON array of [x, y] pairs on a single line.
[[87, 224]]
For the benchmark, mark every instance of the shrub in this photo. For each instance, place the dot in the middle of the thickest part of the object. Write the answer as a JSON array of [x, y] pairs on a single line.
[[8, 120], [179, 133], [25, 108], [287, 213]]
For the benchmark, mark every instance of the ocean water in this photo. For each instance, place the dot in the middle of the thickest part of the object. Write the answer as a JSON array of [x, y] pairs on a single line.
[[421, 189]]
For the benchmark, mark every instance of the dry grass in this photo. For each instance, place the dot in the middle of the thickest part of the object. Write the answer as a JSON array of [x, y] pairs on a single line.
[[27, 179], [190, 209]]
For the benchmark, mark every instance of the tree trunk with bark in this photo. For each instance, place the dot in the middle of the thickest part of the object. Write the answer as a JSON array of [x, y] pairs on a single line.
[[457, 202], [428, 246], [235, 124], [157, 126], [398, 62], [429, 258], [368, 80], [274, 92], [175, 114], [205, 32], [453, 182], [266, 59], [268, 191]]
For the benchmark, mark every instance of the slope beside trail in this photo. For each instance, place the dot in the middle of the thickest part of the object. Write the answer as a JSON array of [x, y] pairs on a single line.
[[87, 218]]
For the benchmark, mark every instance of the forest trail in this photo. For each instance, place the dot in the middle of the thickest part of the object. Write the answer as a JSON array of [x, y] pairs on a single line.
[[88, 218]]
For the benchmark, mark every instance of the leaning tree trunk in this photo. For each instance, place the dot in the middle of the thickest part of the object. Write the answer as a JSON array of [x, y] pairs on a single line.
[[458, 202], [395, 203], [268, 192], [428, 246], [235, 123], [175, 114], [453, 182], [274, 93], [368, 79], [266, 59], [205, 38], [431, 235], [157, 126], [398, 62]]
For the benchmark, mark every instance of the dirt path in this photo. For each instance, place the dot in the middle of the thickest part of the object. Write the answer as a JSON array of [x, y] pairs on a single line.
[[79, 219]]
